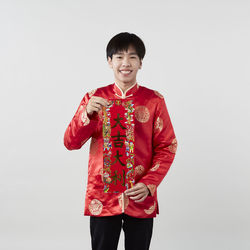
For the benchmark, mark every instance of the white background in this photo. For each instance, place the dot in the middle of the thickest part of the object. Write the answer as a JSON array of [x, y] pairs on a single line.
[[197, 55]]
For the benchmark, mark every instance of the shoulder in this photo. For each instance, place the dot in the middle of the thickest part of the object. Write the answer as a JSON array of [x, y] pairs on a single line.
[[151, 94], [98, 91]]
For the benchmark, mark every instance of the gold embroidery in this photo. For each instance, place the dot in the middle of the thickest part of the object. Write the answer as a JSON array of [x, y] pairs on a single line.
[[105, 176], [95, 207], [159, 94], [173, 147], [142, 114], [156, 166], [139, 170], [92, 92], [158, 124], [151, 209]]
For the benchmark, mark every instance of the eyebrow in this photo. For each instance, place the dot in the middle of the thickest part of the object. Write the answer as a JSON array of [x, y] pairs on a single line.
[[131, 53]]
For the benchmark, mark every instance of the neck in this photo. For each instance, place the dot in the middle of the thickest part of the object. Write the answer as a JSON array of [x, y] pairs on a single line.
[[125, 86]]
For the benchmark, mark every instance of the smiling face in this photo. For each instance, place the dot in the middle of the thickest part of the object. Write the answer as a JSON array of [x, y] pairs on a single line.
[[125, 65]]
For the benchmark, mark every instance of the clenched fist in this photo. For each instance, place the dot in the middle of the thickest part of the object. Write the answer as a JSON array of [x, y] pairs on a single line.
[[96, 103]]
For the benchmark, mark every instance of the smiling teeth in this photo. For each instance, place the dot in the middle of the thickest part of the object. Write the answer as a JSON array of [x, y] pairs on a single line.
[[125, 72]]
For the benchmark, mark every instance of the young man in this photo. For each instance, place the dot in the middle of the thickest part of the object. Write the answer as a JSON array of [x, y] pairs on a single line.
[[152, 150]]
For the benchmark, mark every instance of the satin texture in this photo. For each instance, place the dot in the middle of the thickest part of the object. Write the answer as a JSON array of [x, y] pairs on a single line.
[[155, 146]]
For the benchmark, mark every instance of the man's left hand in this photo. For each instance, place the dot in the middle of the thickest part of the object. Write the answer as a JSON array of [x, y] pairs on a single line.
[[138, 192]]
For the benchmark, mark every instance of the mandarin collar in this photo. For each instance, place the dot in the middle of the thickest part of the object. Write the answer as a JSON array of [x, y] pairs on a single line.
[[129, 92]]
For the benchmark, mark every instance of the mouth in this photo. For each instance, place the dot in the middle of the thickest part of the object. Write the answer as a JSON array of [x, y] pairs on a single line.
[[125, 72]]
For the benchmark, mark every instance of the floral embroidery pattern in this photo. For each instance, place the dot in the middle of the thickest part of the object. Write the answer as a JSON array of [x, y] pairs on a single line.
[[139, 170], [158, 124], [142, 114], [173, 146], [95, 207], [151, 209], [118, 153], [156, 166]]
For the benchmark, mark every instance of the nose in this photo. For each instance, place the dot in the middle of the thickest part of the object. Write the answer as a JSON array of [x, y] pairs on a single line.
[[126, 61]]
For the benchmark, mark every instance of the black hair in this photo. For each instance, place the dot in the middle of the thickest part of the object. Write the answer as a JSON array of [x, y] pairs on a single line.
[[122, 41]]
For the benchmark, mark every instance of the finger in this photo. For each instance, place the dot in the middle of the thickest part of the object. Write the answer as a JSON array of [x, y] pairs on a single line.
[[95, 109], [102, 101], [134, 188], [96, 105], [134, 193], [142, 199], [136, 197]]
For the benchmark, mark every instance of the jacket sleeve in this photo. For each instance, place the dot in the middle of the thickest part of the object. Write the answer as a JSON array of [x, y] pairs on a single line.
[[81, 126], [164, 145]]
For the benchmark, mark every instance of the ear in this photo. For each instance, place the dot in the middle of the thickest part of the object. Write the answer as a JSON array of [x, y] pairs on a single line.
[[110, 62], [140, 64]]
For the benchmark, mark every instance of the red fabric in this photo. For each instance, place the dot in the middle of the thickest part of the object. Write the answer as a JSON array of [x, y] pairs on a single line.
[[155, 146]]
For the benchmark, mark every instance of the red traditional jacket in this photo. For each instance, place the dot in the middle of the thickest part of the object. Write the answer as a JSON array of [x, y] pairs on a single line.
[[149, 146]]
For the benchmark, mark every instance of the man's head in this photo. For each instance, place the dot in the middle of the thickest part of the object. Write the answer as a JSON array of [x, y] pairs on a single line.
[[125, 52]]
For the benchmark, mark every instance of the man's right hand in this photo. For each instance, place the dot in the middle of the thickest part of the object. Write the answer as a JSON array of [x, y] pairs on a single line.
[[96, 103]]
